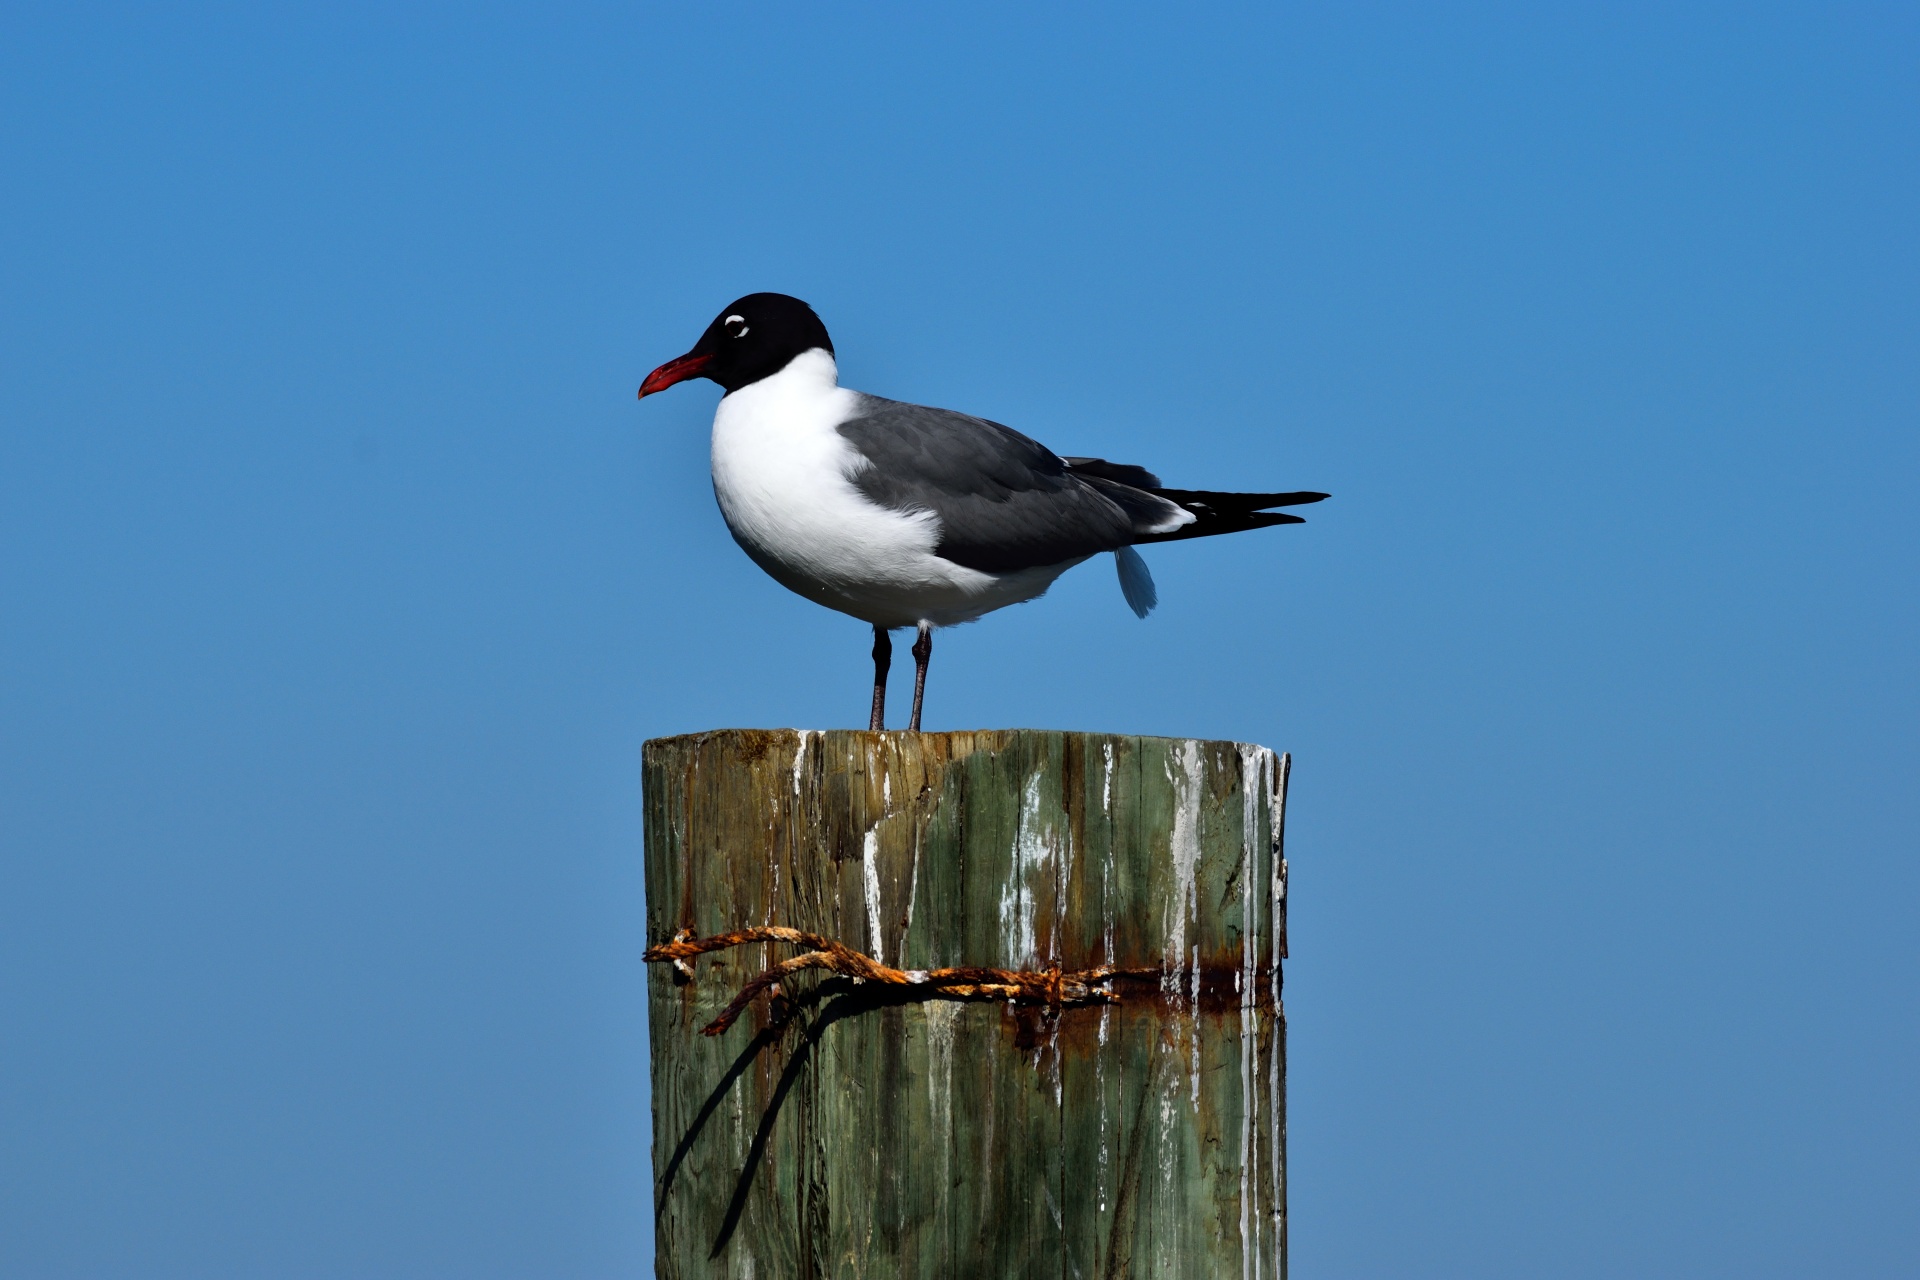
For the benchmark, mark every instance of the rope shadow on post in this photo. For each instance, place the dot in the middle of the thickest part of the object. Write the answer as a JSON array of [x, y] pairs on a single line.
[[870, 985]]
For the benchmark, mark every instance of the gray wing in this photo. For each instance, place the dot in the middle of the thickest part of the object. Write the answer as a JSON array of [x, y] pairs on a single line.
[[1004, 502]]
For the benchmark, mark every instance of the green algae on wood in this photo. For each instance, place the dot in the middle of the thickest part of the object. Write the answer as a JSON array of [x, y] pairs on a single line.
[[869, 1134]]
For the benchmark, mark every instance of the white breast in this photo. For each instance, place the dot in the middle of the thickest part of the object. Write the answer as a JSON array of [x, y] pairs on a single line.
[[783, 477]]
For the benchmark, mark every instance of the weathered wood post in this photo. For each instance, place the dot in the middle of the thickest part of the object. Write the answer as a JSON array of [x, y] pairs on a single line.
[[847, 1127]]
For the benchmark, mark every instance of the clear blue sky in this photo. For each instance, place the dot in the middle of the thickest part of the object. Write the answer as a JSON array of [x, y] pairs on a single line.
[[343, 578]]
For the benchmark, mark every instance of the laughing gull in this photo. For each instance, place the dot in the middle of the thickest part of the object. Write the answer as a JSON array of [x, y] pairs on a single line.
[[905, 516]]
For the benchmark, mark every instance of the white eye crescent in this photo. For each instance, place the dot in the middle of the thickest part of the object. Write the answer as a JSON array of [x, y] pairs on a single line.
[[736, 326]]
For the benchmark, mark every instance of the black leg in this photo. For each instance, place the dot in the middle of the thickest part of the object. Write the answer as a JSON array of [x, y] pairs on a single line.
[[882, 659], [922, 652]]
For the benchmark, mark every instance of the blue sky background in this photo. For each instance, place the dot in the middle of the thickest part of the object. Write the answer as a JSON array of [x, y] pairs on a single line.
[[343, 578]]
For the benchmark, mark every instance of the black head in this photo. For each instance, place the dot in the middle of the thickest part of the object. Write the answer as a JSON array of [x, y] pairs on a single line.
[[756, 336]]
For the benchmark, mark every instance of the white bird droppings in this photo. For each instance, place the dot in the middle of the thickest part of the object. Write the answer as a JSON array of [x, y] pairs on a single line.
[[1184, 848], [800, 761], [870, 859], [1034, 846]]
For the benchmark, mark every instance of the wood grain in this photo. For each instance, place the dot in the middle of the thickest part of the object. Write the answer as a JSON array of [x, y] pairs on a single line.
[[850, 1129]]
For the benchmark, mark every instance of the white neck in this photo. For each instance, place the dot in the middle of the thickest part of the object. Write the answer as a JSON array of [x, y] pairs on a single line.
[[803, 400]]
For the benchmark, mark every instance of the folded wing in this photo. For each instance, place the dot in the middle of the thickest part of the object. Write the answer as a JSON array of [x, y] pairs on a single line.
[[1005, 502]]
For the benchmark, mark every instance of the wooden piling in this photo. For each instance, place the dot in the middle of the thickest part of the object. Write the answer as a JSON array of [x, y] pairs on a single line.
[[860, 1128]]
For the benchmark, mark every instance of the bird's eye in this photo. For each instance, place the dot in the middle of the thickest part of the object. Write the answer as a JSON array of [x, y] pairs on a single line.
[[736, 326]]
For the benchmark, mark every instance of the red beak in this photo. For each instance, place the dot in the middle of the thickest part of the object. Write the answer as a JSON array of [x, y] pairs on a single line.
[[688, 366]]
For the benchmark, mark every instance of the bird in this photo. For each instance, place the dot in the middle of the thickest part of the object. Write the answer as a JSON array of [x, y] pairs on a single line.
[[906, 516]]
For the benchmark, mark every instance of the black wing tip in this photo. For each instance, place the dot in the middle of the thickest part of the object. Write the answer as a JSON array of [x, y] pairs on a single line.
[[1225, 501], [1212, 525], [1301, 499], [1218, 500]]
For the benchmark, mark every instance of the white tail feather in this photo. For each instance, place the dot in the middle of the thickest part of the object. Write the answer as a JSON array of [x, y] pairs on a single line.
[[1136, 584]]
